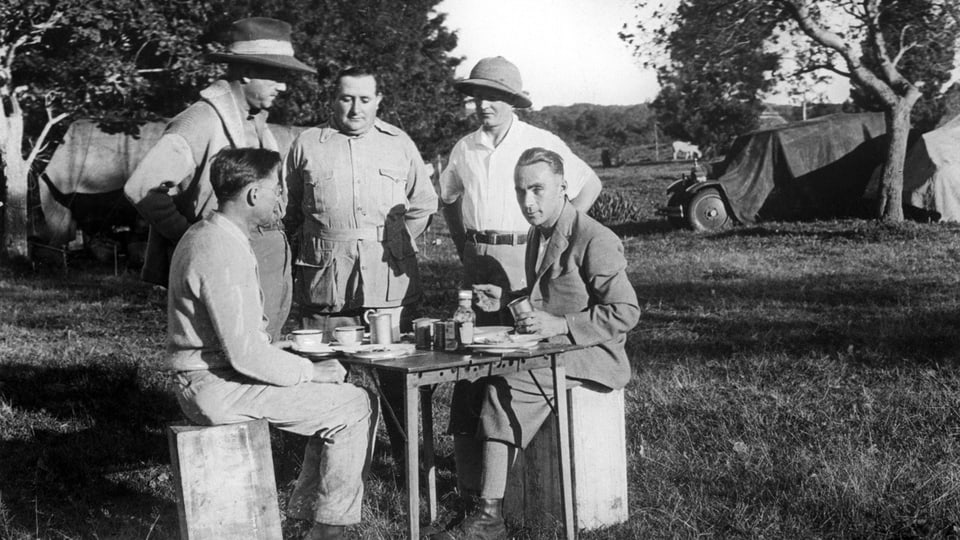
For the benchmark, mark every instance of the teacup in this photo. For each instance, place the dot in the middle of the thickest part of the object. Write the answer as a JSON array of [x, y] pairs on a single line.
[[307, 339], [348, 335]]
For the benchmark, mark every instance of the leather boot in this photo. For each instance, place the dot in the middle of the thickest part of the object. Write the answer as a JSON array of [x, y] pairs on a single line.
[[485, 523], [464, 505], [467, 504], [322, 531]]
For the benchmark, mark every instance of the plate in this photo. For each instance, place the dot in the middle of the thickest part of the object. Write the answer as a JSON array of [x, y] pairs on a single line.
[[517, 342], [480, 331], [513, 339], [503, 347], [379, 352], [320, 352]]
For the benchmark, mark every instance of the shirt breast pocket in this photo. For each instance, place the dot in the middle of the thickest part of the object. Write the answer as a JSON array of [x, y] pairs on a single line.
[[392, 188], [319, 193]]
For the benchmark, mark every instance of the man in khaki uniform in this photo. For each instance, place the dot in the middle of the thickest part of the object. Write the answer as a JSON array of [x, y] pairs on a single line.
[[359, 196]]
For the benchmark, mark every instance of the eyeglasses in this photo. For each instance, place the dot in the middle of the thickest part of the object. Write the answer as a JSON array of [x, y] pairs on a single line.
[[277, 188]]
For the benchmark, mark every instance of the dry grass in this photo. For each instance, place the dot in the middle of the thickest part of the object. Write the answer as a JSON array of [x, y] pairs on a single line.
[[791, 381]]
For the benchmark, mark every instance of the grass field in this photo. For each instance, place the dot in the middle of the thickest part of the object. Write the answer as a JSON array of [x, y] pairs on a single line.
[[792, 380]]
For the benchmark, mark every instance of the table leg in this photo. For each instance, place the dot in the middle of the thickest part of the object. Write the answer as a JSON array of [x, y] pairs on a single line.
[[563, 448], [410, 394], [426, 405]]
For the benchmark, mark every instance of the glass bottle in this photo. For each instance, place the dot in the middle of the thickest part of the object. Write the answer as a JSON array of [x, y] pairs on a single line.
[[465, 317]]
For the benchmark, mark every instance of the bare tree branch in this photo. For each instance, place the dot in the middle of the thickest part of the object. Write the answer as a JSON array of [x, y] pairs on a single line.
[[51, 121]]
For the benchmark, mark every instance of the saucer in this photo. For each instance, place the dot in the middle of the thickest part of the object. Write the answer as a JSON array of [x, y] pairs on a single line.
[[378, 352], [317, 349]]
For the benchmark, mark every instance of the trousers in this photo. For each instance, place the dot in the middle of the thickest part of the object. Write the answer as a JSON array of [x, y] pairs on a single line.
[[504, 408], [391, 385], [329, 488]]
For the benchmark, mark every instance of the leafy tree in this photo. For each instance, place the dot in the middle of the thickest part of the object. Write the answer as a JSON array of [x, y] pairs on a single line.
[[713, 81], [609, 127], [23, 26], [404, 41], [929, 61], [125, 61], [834, 32], [107, 59]]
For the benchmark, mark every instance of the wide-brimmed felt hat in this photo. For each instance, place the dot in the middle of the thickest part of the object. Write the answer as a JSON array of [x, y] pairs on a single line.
[[496, 73], [262, 41]]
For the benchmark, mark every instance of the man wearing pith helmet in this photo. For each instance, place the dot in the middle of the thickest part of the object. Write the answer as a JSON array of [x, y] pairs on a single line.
[[476, 186], [171, 185]]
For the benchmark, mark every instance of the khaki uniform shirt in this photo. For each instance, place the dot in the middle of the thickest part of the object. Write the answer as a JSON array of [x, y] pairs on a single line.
[[356, 204]]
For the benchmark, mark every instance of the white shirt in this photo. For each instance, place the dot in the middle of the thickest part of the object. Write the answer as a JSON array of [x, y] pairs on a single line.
[[483, 175]]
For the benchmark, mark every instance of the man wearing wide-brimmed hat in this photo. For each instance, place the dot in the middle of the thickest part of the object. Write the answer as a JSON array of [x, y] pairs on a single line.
[[171, 185], [476, 187]]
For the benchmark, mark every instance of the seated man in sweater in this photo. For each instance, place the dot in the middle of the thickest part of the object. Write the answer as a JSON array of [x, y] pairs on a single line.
[[227, 371], [578, 287]]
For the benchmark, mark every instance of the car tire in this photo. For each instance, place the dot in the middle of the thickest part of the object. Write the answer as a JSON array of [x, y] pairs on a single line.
[[707, 211]]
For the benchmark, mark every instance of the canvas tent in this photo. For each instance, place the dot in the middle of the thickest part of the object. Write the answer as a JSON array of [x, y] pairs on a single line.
[[931, 173], [817, 168], [83, 183]]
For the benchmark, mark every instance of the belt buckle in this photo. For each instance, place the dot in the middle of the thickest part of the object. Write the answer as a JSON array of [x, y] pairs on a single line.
[[514, 239]]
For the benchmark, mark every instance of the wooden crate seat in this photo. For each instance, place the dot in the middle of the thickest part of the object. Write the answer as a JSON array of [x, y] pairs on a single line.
[[598, 462], [224, 481]]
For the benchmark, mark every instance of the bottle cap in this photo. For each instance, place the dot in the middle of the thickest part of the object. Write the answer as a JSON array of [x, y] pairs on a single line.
[[465, 294]]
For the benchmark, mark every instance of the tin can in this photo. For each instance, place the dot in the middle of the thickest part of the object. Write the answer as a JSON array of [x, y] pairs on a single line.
[[450, 338], [423, 333], [519, 306], [381, 327], [439, 339]]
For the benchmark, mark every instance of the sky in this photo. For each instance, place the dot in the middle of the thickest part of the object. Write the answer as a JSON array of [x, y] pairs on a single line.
[[567, 53], [567, 50]]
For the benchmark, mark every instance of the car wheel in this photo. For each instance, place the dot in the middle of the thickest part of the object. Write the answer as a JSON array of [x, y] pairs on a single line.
[[706, 211]]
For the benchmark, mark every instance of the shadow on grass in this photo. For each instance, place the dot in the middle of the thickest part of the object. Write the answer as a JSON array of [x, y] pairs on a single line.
[[726, 314], [860, 230], [92, 458], [642, 228], [94, 439]]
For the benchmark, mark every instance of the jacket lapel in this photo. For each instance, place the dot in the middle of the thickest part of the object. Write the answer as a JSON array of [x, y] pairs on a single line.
[[559, 240], [530, 258], [220, 96]]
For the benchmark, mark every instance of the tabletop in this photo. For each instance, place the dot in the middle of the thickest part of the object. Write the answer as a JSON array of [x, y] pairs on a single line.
[[424, 361]]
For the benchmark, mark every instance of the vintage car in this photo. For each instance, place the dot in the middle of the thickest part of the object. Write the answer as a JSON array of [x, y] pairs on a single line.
[[813, 169]]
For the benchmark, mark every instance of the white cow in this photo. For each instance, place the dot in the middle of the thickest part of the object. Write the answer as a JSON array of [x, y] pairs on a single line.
[[685, 150]]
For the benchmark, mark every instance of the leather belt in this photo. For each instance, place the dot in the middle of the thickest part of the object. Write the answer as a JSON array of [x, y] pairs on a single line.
[[496, 237], [369, 234]]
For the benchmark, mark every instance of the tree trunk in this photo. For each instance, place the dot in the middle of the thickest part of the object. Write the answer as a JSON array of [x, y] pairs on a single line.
[[890, 203], [15, 169]]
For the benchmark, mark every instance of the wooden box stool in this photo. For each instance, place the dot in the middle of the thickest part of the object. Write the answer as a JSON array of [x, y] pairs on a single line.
[[598, 462], [224, 480]]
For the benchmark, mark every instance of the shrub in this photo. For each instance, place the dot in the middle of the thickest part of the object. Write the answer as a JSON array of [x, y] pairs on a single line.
[[613, 208]]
